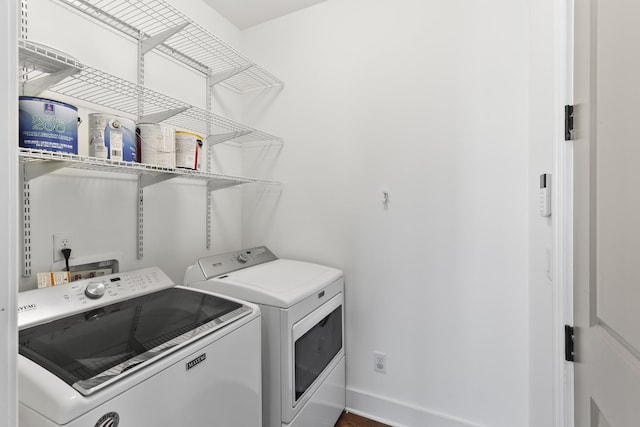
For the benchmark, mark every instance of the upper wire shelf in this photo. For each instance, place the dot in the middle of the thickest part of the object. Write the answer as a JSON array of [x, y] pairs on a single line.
[[44, 68], [38, 59], [191, 44]]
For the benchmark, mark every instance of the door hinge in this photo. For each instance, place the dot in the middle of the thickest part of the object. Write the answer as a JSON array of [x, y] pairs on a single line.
[[569, 338], [568, 122]]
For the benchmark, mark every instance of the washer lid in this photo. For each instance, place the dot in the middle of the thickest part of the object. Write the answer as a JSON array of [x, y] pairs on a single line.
[[279, 283], [93, 349]]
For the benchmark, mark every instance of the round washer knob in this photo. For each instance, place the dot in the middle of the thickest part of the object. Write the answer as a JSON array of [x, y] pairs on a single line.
[[241, 259], [95, 290]]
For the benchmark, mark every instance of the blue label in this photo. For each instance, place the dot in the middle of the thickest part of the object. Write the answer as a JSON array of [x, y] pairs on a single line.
[[48, 125]]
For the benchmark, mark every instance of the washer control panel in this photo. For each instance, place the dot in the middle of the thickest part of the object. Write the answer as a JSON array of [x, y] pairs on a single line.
[[218, 265], [45, 304]]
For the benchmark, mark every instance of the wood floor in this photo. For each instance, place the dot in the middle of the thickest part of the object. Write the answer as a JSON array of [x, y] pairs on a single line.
[[348, 419]]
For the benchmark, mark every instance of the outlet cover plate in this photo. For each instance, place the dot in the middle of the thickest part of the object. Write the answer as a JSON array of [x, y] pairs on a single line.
[[380, 362], [60, 241]]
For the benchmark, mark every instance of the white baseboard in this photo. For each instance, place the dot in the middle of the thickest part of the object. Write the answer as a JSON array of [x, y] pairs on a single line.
[[399, 414]]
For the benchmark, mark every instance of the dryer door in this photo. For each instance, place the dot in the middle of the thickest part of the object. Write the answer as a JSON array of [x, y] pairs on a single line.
[[318, 340]]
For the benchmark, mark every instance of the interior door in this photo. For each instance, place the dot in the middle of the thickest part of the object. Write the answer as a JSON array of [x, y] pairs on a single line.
[[607, 213]]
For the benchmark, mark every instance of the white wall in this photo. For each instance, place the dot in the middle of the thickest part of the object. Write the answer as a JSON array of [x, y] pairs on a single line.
[[435, 102], [429, 100], [8, 213], [99, 211]]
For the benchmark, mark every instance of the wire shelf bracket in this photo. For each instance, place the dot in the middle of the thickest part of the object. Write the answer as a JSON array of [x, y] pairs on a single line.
[[148, 180], [219, 138], [222, 76], [33, 170], [39, 85], [152, 42], [215, 185], [162, 116]]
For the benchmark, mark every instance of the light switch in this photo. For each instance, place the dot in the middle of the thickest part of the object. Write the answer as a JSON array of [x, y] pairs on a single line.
[[545, 195]]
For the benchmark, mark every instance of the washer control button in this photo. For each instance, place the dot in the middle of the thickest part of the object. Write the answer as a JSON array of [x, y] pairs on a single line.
[[241, 258], [95, 290]]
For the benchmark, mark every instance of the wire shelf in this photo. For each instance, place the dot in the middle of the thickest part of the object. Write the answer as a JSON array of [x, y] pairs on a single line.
[[193, 45], [38, 59], [97, 87], [38, 163]]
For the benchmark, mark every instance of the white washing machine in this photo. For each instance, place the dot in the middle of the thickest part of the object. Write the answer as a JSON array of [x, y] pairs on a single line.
[[133, 349], [302, 306]]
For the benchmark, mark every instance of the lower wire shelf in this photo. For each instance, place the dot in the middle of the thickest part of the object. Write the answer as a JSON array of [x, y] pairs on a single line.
[[37, 163]]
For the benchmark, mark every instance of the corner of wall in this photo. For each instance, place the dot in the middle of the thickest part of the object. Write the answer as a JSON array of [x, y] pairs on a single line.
[[8, 214]]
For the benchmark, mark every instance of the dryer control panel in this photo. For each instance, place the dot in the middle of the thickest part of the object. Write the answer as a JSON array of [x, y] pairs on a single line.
[[45, 304], [218, 265]]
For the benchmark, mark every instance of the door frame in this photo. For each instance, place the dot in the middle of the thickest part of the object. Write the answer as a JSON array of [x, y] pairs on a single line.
[[562, 220], [9, 214]]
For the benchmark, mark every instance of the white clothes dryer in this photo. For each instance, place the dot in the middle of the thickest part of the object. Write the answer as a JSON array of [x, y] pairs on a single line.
[[134, 349], [302, 306]]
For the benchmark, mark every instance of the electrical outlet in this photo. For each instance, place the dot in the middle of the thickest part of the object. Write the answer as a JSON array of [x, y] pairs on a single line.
[[380, 362], [60, 241]]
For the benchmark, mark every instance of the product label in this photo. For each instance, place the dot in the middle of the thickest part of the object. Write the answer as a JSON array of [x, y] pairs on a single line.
[[157, 144], [47, 123], [196, 361], [112, 138], [48, 126], [27, 307]]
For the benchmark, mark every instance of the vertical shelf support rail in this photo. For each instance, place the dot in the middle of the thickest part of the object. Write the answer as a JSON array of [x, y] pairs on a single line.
[[25, 210], [209, 162], [29, 171], [140, 220], [25, 200], [146, 44], [140, 192]]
